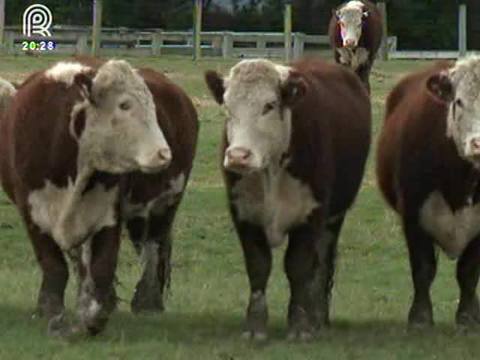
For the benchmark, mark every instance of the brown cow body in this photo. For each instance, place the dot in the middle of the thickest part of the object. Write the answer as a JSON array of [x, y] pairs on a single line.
[[434, 189], [69, 211], [361, 56], [305, 197]]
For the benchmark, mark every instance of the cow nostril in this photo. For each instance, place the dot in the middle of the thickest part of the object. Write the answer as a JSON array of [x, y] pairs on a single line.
[[239, 154], [165, 154]]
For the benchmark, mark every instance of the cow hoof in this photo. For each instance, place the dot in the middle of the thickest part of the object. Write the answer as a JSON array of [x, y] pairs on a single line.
[[257, 336], [146, 305], [467, 322], [300, 336], [420, 319], [60, 327]]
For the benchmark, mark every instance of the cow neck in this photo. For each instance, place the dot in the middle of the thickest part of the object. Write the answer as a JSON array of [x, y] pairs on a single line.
[[74, 196]]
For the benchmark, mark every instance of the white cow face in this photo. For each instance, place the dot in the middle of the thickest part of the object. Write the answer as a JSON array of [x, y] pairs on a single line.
[[350, 18], [460, 88], [118, 123], [258, 96]]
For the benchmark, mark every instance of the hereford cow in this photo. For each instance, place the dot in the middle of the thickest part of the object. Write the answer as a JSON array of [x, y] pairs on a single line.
[[294, 155], [68, 139], [355, 32], [150, 201], [429, 172]]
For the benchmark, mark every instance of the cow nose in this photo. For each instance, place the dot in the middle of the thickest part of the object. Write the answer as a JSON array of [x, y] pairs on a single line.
[[349, 43], [475, 146], [165, 155], [238, 157]]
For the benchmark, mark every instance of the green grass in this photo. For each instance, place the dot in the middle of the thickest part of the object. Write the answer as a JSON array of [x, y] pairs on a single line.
[[209, 292]]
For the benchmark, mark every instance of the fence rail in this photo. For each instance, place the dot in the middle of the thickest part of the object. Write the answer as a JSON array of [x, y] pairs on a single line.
[[77, 39], [227, 44]]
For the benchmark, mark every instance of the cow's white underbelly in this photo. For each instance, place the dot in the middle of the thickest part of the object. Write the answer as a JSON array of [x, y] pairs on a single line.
[[70, 218], [453, 231], [276, 204]]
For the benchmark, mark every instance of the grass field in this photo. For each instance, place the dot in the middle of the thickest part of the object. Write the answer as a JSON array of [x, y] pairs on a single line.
[[209, 291]]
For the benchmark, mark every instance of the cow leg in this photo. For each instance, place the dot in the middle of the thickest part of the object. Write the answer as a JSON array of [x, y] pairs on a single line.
[[156, 253], [423, 263], [468, 272], [137, 230], [328, 245], [54, 274], [364, 74], [258, 261], [97, 297], [301, 263]]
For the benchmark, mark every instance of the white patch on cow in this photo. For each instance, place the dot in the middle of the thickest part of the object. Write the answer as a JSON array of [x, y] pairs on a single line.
[[350, 17], [354, 4], [353, 58], [7, 91], [69, 215], [276, 202], [66, 71], [250, 87], [88, 306], [463, 124], [453, 231], [159, 204]]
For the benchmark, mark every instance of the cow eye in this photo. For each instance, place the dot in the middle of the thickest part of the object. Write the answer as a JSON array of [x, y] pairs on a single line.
[[269, 107], [125, 105], [459, 103]]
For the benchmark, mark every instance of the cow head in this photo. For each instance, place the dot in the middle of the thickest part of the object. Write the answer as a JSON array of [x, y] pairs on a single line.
[[350, 18], [116, 126], [258, 96], [459, 89]]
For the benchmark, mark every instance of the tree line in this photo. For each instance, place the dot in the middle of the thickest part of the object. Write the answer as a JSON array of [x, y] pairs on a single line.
[[427, 24]]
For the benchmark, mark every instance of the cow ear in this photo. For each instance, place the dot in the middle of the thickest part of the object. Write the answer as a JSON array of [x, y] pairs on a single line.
[[85, 82], [336, 13], [293, 89], [365, 14], [216, 85], [441, 87]]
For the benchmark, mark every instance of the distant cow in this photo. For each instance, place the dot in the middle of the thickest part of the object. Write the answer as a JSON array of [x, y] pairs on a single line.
[[355, 32], [67, 141], [296, 141], [428, 170]]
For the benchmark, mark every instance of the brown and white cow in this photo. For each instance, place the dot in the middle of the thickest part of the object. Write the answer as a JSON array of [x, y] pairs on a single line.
[[68, 140], [355, 33], [429, 172], [295, 144], [150, 201]]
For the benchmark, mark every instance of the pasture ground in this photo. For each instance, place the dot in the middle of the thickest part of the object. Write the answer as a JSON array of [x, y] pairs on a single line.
[[209, 291]]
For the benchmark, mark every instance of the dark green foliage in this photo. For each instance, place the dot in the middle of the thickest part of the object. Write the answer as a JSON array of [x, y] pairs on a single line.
[[419, 24]]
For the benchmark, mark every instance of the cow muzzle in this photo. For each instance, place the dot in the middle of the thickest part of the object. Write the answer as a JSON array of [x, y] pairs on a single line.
[[156, 161], [238, 159], [350, 43]]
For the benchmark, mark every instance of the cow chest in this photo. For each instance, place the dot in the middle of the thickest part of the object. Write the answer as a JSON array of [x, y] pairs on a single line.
[[452, 229], [70, 215], [277, 202]]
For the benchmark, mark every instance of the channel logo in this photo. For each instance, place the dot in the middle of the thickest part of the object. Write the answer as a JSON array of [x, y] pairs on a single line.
[[37, 20]]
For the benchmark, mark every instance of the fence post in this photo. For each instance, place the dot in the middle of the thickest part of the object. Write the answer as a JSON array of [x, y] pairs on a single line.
[[462, 29], [227, 45], [288, 30], [298, 45], [384, 47], [82, 44], [2, 22], [97, 26], [157, 43], [197, 30]]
